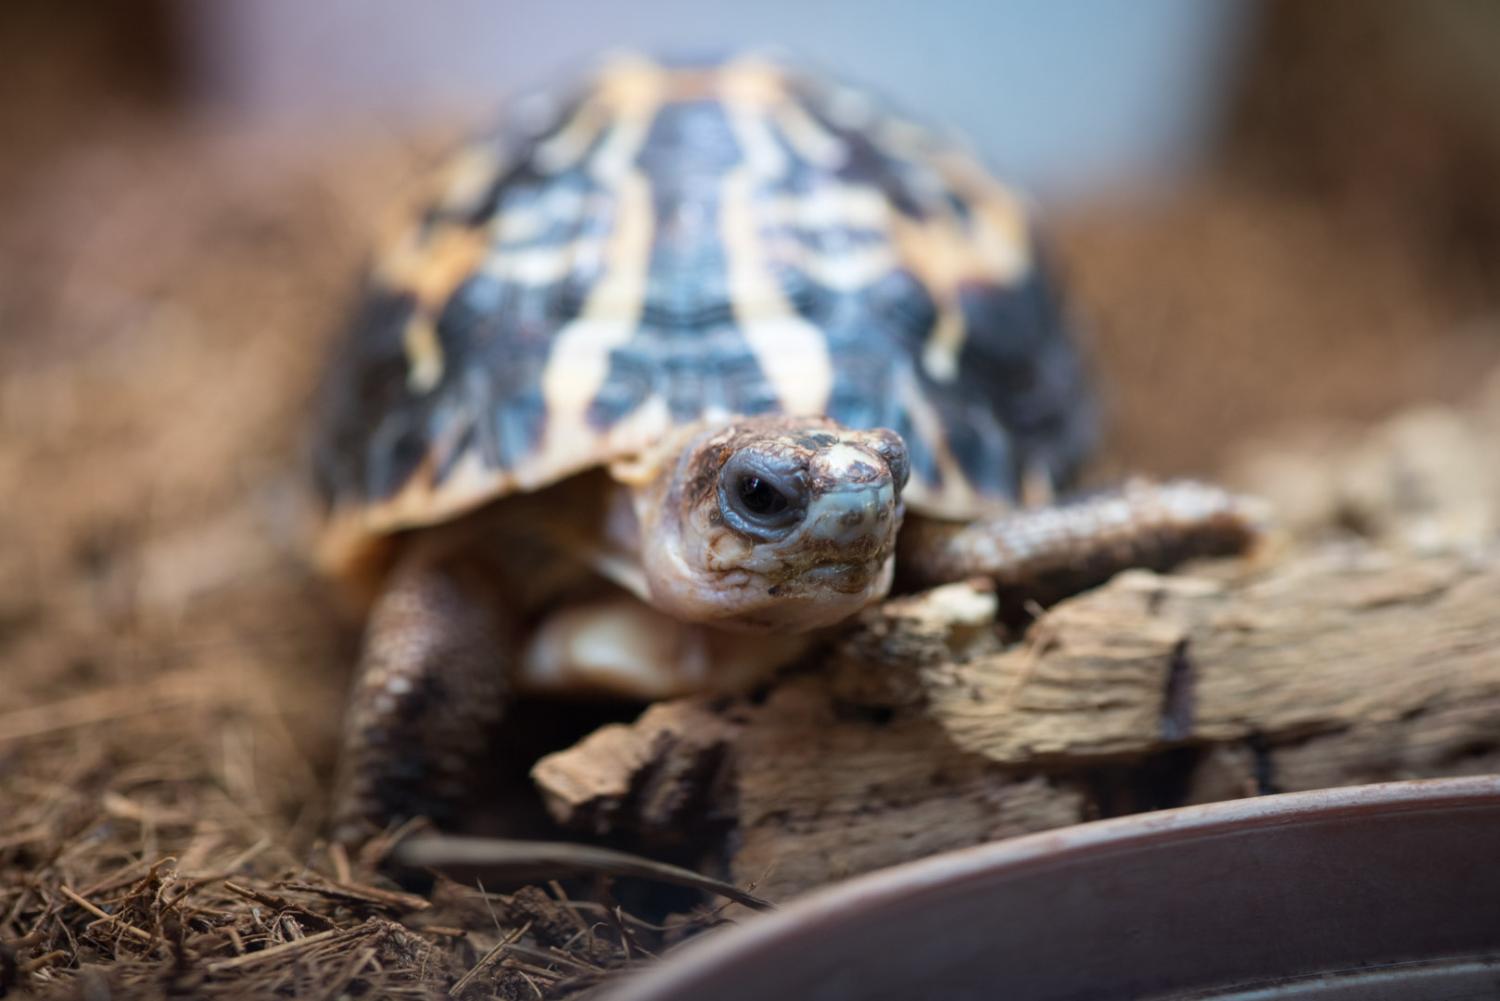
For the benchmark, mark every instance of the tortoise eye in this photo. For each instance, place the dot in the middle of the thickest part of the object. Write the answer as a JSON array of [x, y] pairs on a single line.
[[759, 497]]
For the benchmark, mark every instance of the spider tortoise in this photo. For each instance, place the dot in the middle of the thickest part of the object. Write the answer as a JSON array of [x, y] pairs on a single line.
[[675, 372]]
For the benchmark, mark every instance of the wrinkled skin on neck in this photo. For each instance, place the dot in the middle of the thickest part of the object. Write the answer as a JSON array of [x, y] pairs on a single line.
[[772, 523]]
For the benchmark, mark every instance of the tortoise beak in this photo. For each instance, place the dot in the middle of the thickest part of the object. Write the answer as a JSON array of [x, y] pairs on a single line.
[[845, 516]]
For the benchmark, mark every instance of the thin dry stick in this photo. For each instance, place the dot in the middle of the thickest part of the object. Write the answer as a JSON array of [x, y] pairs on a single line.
[[531, 983], [562, 898], [340, 859], [489, 959], [286, 948], [501, 859], [106, 917], [388, 899]]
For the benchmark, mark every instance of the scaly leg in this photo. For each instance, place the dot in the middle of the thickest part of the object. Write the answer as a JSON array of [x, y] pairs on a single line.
[[431, 685], [1047, 554]]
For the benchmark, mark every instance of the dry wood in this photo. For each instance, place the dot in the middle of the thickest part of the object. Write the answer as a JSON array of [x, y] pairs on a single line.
[[662, 785], [924, 728]]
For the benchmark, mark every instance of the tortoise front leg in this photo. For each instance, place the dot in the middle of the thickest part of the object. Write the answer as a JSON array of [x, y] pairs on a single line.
[[431, 684], [1046, 554]]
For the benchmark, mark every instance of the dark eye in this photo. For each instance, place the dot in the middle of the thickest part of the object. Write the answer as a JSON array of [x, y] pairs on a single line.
[[762, 495]]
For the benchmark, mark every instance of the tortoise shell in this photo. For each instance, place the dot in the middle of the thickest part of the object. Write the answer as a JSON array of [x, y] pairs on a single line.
[[670, 244]]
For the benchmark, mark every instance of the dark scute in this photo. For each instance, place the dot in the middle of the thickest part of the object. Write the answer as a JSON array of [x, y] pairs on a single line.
[[514, 428], [862, 395], [568, 300], [1021, 356], [690, 146], [957, 206], [520, 172], [851, 406], [467, 320], [686, 347], [981, 446], [364, 382], [449, 457], [810, 301], [905, 307], [688, 311], [519, 169], [919, 451], [394, 452], [750, 393], [628, 384], [867, 163], [689, 149], [495, 336]]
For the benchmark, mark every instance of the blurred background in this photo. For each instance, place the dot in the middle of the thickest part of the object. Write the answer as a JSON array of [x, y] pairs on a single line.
[[1275, 219]]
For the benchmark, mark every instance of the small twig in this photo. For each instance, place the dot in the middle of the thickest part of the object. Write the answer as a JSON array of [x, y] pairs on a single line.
[[285, 948], [190, 887], [523, 967], [551, 956], [446, 931], [501, 859], [532, 984], [340, 859], [280, 905], [380, 847], [106, 917], [567, 905], [390, 899], [257, 896], [489, 959]]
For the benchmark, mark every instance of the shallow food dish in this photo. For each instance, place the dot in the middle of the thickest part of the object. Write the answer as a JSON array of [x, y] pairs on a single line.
[[1385, 892]]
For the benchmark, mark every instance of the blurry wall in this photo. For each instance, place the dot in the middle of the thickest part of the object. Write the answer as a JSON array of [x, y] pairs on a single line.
[[1061, 95]]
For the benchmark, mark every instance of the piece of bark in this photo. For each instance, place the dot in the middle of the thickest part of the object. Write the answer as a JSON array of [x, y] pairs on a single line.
[[659, 777], [923, 728], [826, 789], [1321, 644]]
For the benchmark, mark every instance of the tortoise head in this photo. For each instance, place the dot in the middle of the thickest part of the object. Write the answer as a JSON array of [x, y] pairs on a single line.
[[775, 523]]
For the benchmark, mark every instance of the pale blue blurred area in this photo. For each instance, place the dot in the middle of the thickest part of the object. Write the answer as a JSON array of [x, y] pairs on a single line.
[[1064, 97]]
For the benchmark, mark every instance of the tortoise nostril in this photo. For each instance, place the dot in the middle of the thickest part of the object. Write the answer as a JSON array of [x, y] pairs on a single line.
[[890, 447]]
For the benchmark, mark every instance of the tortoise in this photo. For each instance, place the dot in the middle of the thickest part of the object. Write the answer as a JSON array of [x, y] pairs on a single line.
[[673, 374]]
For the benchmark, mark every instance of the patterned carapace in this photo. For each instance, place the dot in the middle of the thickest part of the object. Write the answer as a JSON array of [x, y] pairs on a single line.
[[676, 243]]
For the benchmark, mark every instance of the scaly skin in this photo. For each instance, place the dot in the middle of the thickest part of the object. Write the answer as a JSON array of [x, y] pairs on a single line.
[[1046, 554], [429, 689]]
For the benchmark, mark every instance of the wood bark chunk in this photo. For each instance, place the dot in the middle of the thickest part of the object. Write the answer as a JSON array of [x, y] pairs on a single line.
[[826, 791], [659, 776], [923, 728]]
